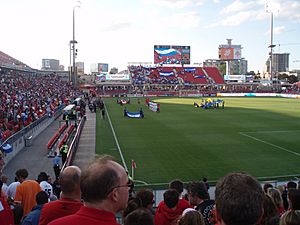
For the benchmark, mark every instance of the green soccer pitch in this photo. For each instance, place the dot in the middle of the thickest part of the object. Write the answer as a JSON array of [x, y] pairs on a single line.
[[260, 136]]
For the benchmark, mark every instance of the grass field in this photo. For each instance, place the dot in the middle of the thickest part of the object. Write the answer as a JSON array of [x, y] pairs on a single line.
[[260, 136]]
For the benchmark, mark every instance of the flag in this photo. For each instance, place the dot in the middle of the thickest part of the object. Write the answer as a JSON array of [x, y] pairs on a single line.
[[133, 164], [166, 74]]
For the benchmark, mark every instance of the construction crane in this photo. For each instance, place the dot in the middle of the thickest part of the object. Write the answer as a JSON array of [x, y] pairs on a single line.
[[285, 44]]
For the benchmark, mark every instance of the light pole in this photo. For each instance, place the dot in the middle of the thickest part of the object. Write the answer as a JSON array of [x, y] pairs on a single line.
[[72, 43], [270, 8], [271, 46]]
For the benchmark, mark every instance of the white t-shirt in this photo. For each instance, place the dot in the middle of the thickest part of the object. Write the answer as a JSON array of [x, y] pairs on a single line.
[[12, 188], [46, 187]]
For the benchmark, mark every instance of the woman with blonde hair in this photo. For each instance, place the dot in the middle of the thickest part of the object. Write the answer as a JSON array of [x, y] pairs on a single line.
[[276, 196], [291, 217], [191, 217]]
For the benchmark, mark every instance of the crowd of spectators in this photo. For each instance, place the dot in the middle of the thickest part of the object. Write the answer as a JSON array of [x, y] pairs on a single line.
[[142, 75], [148, 78], [24, 98], [103, 189]]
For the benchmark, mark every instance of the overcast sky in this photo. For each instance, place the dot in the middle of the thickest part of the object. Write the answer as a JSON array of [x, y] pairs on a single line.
[[121, 31]]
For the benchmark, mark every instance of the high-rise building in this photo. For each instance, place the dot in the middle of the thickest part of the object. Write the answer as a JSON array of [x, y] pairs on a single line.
[[231, 55], [80, 68], [280, 62]]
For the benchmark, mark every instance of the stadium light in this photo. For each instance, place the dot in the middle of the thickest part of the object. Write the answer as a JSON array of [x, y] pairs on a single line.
[[73, 42], [271, 7]]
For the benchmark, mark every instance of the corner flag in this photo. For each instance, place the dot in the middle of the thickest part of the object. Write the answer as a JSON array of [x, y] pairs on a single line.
[[133, 166]]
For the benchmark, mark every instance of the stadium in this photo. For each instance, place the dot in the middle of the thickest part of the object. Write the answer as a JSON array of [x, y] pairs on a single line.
[[257, 123], [162, 121]]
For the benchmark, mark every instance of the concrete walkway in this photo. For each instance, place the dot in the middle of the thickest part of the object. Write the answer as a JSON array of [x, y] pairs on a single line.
[[87, 143]]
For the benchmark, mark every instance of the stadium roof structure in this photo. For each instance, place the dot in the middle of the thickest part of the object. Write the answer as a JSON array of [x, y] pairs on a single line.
[[6, 60]]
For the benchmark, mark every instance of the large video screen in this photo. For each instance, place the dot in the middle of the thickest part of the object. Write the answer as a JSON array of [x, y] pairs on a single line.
[[102, 67], [172, 54], [229, 53]]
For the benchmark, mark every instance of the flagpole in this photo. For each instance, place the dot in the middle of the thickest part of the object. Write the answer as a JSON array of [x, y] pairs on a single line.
[[132, 169], [132, 173]]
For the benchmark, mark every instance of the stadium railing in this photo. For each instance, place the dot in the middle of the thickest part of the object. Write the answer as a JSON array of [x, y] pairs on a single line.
[[74, 144]]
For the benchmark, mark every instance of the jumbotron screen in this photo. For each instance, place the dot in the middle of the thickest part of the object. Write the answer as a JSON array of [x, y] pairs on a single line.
[[172, 54]]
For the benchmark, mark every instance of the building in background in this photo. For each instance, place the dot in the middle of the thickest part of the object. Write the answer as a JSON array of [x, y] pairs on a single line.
[[237, 67], [50, 64], [280, 63], [80, 68], [232, 55], [230, 58], [97, 68], [61, 68], [114, 70]]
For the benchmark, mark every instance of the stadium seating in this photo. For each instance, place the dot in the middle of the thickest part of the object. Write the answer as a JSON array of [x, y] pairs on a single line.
[[8, 60], [24, 98], [215, 74], [179, 75]]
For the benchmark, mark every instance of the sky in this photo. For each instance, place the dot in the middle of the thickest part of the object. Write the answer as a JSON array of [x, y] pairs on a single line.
[[121, 31]]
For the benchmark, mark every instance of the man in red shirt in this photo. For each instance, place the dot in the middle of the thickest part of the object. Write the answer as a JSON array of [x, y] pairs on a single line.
[[178, 186], [70, 198], [105, 189], [167, 211]]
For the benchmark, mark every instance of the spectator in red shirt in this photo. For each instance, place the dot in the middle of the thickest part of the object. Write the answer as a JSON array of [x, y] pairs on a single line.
[[70, 199], [167, 212], [105, 190], [178, 186]]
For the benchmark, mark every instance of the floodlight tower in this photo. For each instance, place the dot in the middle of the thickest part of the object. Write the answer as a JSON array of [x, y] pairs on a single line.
[[271, 46], [73, 48]]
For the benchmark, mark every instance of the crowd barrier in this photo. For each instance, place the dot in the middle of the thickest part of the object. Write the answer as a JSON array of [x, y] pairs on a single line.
[[24, 137]]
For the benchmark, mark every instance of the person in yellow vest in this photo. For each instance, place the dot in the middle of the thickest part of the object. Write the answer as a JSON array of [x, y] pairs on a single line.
[[64, 152], [67, 120]]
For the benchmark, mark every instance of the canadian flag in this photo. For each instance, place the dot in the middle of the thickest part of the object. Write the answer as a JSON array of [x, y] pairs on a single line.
[[133, 164]]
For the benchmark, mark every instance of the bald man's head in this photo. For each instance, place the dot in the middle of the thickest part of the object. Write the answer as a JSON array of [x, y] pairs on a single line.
[[69, 179]]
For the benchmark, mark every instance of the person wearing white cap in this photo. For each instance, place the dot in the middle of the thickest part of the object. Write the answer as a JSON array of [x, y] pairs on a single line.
[[191, 217]]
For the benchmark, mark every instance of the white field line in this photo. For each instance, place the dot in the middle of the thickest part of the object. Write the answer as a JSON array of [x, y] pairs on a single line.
[[140, 181], [116, 139], [270, 131], [215, 181], [268, 143]]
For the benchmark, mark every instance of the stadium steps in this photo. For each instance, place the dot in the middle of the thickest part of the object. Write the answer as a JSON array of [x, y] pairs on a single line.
[[87, 143], [214, 73]]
